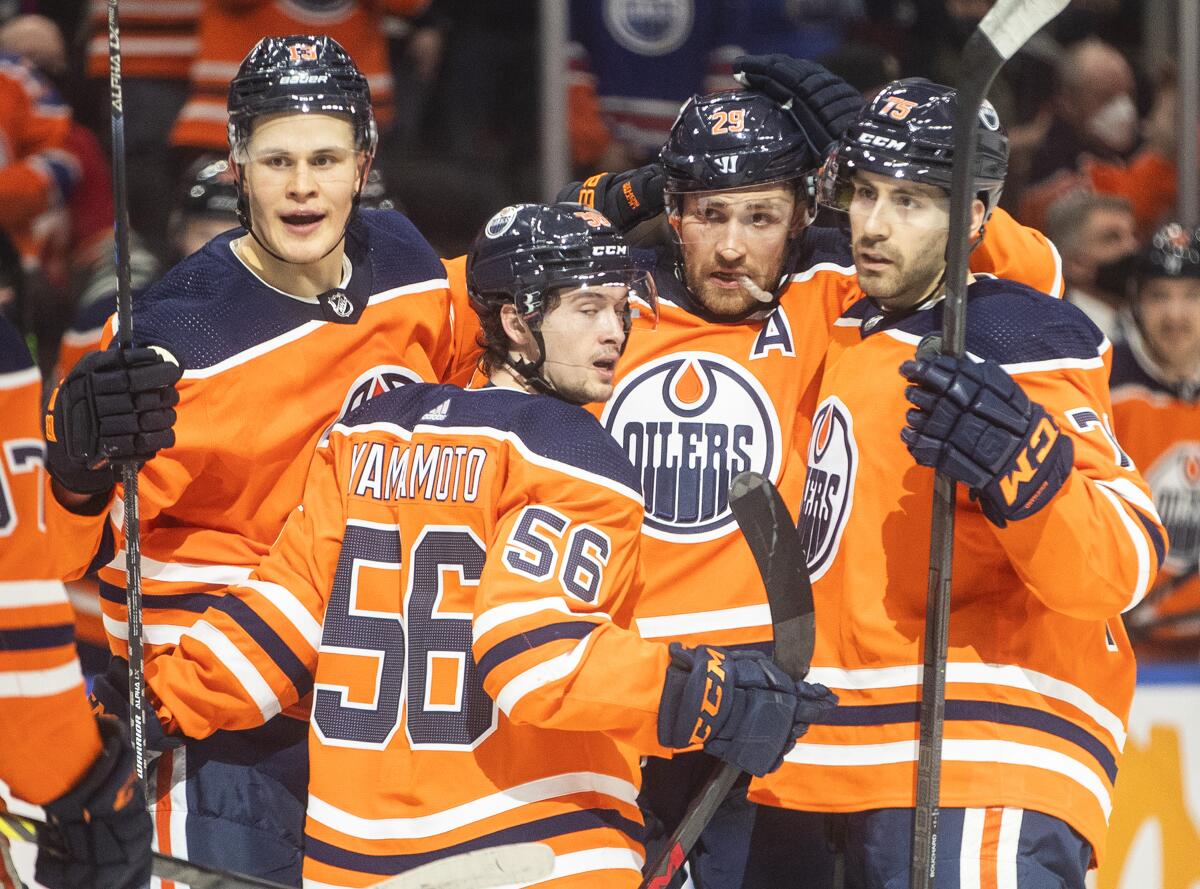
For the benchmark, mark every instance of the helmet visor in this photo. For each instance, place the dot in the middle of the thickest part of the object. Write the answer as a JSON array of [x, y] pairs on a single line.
[[881, 199], [755, 215], [623, 297]]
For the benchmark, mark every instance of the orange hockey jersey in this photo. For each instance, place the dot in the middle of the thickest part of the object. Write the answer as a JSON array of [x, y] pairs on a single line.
[[698, 401], [42, 701], [473, 555], [265, 376], [1040, 673], [1159, 426], [158, 38], [229, 29]]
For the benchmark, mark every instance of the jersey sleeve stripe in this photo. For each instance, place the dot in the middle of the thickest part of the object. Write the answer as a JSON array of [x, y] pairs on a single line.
[[196, 603], [956, 750], [183, 572], [486, 807], [1144, 510], [19, 378], [25, 593], [510, 648], [1006, 675], [747, 616], [1141, 550], [539, 676], [41, 683], [528, 832], [269, 641], [243, 670], [154, 634], [982, 711], [1057, 289], [28, 638], [290, 607], [509, 611]]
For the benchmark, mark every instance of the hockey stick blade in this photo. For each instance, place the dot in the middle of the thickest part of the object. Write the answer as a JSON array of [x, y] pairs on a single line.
[[779, 553], [497, 866], [164, 866]]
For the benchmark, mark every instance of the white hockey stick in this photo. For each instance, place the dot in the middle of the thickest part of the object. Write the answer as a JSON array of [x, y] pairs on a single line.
[[497, 866], [1004, 30]]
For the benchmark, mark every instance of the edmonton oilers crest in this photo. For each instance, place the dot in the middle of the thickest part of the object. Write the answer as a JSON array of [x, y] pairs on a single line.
[[829, 486], [379, 379], [689, 423], [1174, 479]]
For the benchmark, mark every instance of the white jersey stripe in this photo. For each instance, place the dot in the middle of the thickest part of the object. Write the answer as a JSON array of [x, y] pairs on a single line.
[[540, 676], [969, 873], [185, 572], [23, 593], [290, 607], [152, 634], [956, 750], [239, 665], [41, 683], [18, 378], [422, 826], [1140, 546], [1006, 853], [743, 617], [978, 674]]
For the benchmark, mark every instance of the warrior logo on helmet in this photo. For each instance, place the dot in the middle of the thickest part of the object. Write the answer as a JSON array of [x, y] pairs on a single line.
[[689, 423]]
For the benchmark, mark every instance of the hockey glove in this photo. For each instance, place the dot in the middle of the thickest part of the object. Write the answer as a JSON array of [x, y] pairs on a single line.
[[627, 199], [742, 707], [114, 407], [110, 697], [973, 422], [97, 836], [824, 105]]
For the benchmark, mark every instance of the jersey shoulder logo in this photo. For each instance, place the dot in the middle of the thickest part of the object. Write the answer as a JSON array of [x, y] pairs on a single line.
[[829, 487], [689, 422], [1174, 480]]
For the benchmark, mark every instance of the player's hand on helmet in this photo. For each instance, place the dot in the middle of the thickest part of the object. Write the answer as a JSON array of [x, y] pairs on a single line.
[[114, 407], [972, 421], [627, 199], [823, 103], [97, 835], [742, 707]]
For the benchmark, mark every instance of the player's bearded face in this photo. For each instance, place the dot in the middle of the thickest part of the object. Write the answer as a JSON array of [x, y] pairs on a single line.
[[899, 230], [734, 244], [301, 176], [1168, 312], [584, 333]]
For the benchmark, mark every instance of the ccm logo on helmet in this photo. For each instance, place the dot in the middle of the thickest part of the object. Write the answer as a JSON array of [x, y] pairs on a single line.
[[610, 250], [886, 142]]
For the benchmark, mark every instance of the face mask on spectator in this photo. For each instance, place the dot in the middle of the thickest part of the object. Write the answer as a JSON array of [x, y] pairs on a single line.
[[1115, 124], [1113, 277]]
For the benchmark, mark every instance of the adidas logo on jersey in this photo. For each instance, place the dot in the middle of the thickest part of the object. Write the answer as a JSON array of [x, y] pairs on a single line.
[[437, 413]]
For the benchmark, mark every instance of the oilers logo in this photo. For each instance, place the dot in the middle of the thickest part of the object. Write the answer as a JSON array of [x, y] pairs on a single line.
[[689, 423], [1174, 480], [649, 27], [379, 379], [829, 487]]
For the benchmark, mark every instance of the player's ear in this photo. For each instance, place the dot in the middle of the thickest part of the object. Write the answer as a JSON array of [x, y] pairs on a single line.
[[977, 216], [515, 327]]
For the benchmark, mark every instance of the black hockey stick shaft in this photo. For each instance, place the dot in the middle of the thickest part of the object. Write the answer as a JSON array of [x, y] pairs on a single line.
[[1006, 27], [129, 471], [773, 539], [163, 866]]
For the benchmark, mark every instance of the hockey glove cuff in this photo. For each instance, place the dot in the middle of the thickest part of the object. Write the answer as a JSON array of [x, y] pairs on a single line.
[[110, 697], [114, 407], [627, 199], [973, 421], [740, 706], [824, 105], [98, 834]]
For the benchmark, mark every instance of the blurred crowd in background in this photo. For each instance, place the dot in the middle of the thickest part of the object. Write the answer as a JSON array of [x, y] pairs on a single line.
[[1089, 105]]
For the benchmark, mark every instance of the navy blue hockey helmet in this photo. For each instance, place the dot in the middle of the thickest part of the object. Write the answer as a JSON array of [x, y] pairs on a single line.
[[1173, 252], [526, 252], [309, 74], [209, 189], [907, 132]]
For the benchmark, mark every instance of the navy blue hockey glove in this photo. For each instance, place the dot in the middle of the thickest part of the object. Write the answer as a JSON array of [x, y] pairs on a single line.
[[742, 707], [824, 105], [114, 407], [97, 835], [627, 199], [110, 697], [973, 422]]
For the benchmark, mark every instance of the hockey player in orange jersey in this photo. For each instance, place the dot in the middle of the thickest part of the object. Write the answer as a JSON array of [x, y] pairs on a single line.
[[1155, 382], [457, 586], [1055, 536], [87, 789], [749, 295], [278, 329]]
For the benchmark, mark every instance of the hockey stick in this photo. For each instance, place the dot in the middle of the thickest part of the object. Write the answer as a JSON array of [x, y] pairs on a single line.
[[1004, 30], [129, 471], [480, 869], [773, 539]]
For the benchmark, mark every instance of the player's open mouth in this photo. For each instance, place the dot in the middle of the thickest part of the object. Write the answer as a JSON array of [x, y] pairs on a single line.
[[606, 366], [871, 260], [728, 280], [302, 223]]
